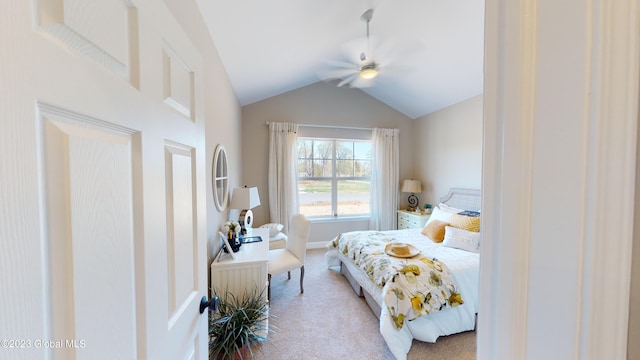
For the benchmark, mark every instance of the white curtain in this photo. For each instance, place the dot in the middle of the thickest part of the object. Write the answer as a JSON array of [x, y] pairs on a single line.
[[283, 184], [384, 179]]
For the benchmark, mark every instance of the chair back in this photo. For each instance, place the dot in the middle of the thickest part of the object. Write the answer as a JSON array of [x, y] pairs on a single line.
[[298, 236]]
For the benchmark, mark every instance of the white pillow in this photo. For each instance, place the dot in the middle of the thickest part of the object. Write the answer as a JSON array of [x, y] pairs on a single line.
[[274, 228], [278, 236], [439, 214], [450, 209], [461, 239]]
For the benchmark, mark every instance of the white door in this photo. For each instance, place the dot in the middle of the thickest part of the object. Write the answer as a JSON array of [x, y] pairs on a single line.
[[102, 183]]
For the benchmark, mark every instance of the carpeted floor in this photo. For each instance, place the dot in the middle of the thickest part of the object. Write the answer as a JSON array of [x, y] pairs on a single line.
[[329, 321]]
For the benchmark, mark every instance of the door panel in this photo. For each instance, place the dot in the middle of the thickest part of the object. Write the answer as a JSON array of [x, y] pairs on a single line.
[[105, 31], [89, 210], [178, 86], [181, 240]]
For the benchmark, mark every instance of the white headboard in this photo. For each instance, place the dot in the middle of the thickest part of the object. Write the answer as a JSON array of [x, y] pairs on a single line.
[[466, 199]]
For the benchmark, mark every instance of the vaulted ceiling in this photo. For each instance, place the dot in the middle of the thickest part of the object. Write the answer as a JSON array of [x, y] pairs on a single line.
[[429, 52]]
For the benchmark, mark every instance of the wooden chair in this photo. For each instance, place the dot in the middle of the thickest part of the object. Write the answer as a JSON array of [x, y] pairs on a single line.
[[293, 255]]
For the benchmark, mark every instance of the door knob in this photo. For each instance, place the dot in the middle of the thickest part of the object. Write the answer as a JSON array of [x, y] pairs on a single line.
[[211, 304]]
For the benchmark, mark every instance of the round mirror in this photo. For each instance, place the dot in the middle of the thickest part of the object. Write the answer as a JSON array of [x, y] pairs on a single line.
[[220, 178]]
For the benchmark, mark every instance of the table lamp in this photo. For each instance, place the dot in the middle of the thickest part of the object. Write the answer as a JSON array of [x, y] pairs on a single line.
[[413, 187], [245, 199]]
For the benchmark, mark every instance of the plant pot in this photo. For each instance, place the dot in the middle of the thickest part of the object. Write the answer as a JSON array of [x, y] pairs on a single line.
[[242, 354]]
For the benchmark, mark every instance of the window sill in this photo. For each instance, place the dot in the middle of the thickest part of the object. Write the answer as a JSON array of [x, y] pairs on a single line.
[[333, 219]]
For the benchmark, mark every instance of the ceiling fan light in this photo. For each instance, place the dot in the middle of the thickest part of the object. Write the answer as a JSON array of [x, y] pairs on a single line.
[[368, 73]]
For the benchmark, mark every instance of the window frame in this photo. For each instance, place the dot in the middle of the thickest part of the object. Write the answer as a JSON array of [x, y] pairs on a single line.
[[334, 179]]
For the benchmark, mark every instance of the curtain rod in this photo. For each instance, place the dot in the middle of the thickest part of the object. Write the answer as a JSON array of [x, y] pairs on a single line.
[[331, 126]]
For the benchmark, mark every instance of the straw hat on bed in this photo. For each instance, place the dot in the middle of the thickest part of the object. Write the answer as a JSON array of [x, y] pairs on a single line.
[[401, 250]]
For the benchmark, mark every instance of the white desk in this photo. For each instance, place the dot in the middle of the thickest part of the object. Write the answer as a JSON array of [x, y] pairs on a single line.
[[247, 271]]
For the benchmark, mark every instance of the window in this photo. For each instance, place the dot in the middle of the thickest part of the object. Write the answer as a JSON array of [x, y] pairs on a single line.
[[334, 177]]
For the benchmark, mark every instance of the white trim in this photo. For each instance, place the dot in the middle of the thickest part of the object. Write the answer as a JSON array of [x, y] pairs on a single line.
[[602, 103], [330, 126], [316, 244], [610, 191], [339, 219], [506, 208]]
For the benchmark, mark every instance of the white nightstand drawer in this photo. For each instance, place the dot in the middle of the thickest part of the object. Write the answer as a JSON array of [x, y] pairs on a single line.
[[411, 219]]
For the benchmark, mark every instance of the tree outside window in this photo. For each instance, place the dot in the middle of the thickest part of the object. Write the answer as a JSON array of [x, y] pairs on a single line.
[[334, 177]]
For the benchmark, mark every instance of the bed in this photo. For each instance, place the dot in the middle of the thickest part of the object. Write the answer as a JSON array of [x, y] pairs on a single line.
[[422, 297]]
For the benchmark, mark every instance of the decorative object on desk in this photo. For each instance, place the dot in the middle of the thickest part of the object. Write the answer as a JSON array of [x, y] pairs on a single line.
[[250, 239], [428, 208], [226, 244], [245, 199], [239, 325], [413, 187], [233, 230]]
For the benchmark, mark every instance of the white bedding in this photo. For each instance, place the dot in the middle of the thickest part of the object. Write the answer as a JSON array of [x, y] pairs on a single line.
[[463, 265]]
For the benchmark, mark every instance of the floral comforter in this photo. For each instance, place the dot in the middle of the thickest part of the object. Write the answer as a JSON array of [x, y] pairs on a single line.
[[411, 287]]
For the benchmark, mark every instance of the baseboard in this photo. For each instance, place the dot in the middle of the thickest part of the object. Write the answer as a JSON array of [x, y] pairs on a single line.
[[316, 244]]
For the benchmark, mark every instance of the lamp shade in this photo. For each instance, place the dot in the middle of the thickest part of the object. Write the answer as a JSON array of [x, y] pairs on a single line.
[[245, 198], [411, 186]]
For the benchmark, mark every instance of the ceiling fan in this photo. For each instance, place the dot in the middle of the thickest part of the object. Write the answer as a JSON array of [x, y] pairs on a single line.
[[355, 73]]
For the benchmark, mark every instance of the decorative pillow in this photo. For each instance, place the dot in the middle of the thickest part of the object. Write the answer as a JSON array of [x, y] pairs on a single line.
[[461, 239], [468, 223], [449, 209], [274, 228], [435, 230], [470, 213]]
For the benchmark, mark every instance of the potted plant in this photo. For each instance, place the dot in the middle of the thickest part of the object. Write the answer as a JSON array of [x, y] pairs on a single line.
[[238, 326], [428, 208]]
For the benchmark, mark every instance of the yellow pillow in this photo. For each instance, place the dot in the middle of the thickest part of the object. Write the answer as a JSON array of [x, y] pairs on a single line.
[[468, 223], [435, 230]]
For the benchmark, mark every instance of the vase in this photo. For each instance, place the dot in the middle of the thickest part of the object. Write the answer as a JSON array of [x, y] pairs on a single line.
[[234, 241]]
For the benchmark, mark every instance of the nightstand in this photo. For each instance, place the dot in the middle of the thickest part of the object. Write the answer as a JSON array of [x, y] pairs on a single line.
[[411, 219]]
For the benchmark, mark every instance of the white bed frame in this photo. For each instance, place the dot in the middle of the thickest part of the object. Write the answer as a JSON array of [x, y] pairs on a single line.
[[467, 199]]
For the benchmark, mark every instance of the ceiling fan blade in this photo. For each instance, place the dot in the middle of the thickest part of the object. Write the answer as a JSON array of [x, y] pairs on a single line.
[[337, 64], [347, 81], [333, 74], [361, 83]]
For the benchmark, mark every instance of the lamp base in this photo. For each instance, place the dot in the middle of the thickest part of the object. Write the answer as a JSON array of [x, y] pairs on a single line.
[[413, 202], [246, 221]]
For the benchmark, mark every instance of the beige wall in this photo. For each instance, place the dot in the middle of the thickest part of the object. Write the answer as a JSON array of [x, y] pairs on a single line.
[[448, 149], [222, 111], [317, 104]]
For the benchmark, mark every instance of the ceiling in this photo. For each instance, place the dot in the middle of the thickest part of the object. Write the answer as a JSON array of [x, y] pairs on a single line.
[[430, 51]]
